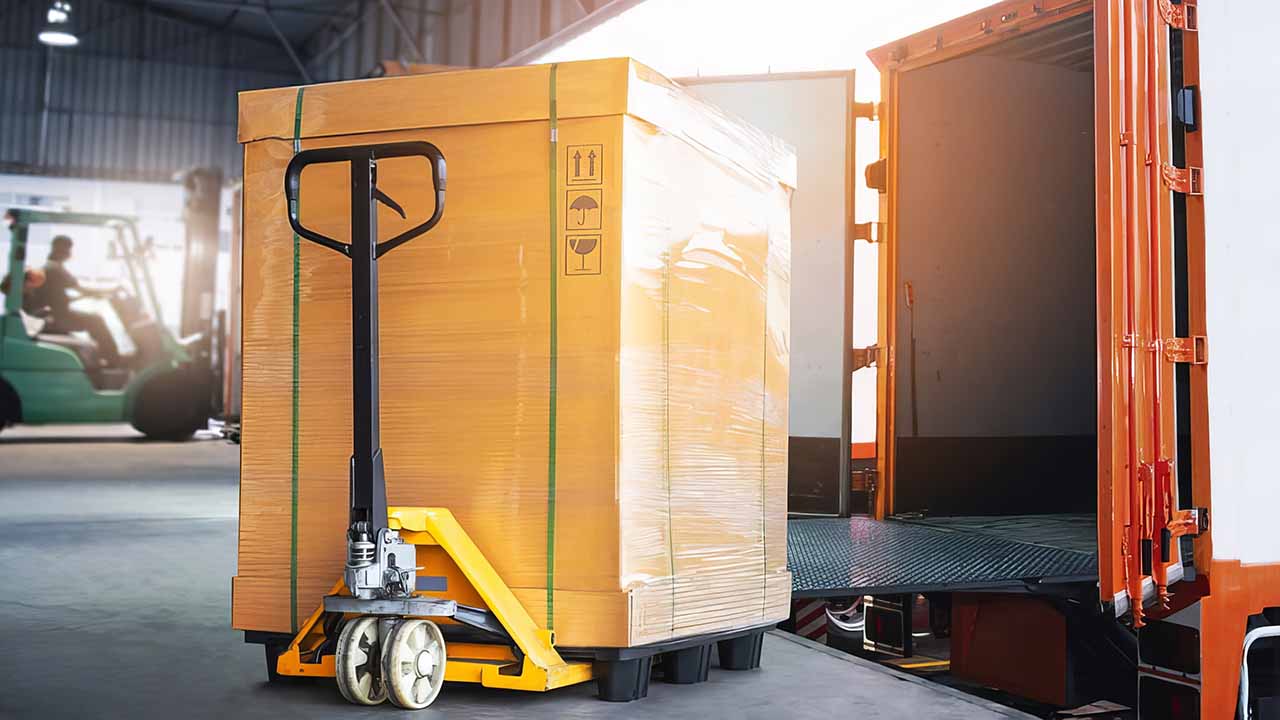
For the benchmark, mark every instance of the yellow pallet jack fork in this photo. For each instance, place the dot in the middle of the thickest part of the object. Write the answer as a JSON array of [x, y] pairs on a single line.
[[412, 574]]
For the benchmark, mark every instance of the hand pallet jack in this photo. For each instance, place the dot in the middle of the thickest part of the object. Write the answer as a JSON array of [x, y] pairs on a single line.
[[381, 630]]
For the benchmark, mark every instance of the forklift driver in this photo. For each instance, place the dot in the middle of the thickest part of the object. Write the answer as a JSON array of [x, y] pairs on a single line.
[[53, 302]]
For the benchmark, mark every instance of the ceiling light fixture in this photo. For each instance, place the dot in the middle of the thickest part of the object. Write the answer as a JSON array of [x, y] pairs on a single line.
[[59, 30]]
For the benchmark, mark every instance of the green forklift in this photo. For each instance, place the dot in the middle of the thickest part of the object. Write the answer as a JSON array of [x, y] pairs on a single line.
[[166, 387]]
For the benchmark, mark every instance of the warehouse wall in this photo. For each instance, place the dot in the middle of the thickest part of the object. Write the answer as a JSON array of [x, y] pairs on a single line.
[[473, 33], [142, 97]]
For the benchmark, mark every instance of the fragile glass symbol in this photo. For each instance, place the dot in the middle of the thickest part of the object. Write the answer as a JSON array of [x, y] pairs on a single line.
[[582, 204], [583, 247]]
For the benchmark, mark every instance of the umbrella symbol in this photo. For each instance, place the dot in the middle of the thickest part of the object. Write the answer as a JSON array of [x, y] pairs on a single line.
[[582, 204], [583, 247]]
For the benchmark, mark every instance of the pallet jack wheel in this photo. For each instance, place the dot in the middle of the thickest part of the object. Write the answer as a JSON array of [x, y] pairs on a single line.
[[413, 663], [359, 671]]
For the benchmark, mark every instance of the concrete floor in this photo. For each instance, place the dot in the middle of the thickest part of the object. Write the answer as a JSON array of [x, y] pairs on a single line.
[[116, 557]]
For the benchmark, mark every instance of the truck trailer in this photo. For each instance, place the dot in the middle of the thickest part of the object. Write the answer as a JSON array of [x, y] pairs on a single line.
[[1072, 203]]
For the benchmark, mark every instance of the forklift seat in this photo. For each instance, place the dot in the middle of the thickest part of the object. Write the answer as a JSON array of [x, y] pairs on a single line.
[[84, 348], [31, 323], [100, 377]]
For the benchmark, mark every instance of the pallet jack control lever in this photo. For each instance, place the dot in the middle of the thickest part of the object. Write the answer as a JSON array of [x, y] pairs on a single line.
[[373, 568]]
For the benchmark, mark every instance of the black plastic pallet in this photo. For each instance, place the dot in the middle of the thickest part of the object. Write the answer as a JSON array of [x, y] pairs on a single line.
[[623, 674]]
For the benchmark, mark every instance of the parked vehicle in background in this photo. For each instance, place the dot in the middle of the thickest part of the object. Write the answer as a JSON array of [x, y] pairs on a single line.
[[164, 387]]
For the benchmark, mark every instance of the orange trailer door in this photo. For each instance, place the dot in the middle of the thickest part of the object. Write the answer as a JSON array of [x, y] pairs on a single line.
[[1139, 184]]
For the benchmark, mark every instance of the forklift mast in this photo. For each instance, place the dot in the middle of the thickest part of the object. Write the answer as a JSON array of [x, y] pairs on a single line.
[[368, 485], [202, 199]]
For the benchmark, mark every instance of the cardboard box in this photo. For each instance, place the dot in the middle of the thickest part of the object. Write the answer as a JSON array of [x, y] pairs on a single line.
[[585, 361]]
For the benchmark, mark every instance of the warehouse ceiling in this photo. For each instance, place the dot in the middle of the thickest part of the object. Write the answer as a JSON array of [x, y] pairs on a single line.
[[299, 33], [290, 23], [296, 19], [149, 90], [298, 22]]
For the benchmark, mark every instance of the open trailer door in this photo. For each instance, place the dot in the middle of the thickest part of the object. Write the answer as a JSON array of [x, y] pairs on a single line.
[[815, 112], [1153, 469], [987, 101]]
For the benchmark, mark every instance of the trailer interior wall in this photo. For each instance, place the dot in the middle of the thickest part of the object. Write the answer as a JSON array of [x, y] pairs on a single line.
[[996, 356]]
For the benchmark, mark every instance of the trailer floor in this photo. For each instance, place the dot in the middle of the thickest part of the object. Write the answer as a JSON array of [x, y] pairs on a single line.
[[117, 556], [1077, 532], [831, 557]]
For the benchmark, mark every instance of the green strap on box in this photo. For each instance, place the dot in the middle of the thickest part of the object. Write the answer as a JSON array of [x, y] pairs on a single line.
[[553, 182], [293, 502]]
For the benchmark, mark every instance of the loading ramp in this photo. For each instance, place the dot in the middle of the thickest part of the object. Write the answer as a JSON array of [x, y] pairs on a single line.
[[832, 557]]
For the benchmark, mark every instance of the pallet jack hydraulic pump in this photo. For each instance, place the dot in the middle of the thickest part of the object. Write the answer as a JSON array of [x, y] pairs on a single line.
[[413, 577]]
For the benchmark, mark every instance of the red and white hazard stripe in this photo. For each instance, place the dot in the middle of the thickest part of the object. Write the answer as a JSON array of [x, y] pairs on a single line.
[[811, 619]]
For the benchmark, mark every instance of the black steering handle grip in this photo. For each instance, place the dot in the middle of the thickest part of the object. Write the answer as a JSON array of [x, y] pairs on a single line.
[[365, 153]]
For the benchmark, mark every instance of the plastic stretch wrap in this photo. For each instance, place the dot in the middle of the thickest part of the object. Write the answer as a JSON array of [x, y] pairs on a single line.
[[598, 393]]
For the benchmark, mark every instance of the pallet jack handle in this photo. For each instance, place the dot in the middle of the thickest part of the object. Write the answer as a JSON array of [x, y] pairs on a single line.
[[370, 153], [368, 484]]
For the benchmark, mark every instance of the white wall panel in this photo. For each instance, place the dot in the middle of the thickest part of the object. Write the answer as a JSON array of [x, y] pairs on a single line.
[[1240, 83]]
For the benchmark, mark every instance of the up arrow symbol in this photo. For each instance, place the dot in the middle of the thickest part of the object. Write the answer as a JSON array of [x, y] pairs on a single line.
[[577, 163]]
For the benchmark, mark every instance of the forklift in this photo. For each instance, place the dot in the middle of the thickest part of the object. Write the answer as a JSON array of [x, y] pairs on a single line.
[[165, 388], [413, 577]]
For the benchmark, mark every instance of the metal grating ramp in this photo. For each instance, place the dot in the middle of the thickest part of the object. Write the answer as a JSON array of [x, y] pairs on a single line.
[[1068, 531], [852, 556]]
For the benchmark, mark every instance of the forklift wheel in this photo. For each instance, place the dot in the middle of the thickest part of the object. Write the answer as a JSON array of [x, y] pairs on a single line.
[[359, 671], [10, 405], [413, 663], [170, 406]]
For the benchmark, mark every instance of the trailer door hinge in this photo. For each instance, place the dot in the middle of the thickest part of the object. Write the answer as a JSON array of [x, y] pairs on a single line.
[[864, 357], [868, 110], [1193, 350], [1188, 181], [877, 175], [869, 231], [1181, 16]]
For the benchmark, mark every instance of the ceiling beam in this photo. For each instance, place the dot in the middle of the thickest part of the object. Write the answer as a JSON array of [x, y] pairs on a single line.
[[338, 41], [262, 9], [288, 48], [353, 21], [182, 18], [408, 37], [329, 25]]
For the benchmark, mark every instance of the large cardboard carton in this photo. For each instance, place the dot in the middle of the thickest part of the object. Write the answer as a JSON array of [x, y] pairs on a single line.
[[585, 361]]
